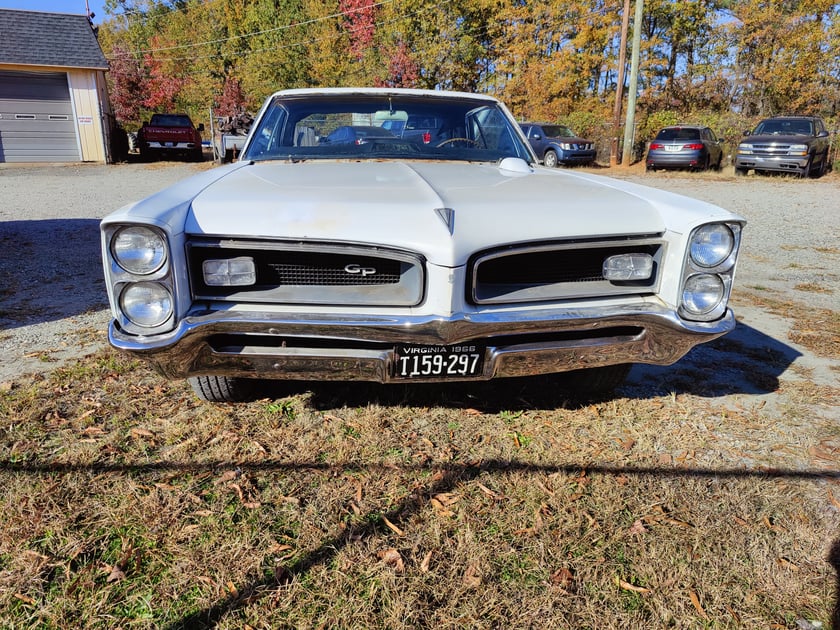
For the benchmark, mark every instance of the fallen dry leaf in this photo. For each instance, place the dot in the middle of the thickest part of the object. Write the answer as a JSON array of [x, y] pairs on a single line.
[[632, 587], [393, 527], [562, 577], [695, 600], [833, 500], [472, 577], [637, 529], [628, 444], [228, 475], [490, 493], [24, 598], [424, 565], [786, 564], [116, 574], [392, 558], [138, 432]]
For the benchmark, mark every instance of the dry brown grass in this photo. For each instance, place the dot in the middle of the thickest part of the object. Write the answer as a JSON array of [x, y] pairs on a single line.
[[128, 502], [813, 328]]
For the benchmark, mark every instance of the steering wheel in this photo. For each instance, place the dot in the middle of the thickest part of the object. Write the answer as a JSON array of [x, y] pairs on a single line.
[[451, 140]]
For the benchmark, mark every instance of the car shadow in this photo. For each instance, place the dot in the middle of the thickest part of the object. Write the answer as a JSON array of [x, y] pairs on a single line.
[[746, 361], [834, 561], [49, 270]]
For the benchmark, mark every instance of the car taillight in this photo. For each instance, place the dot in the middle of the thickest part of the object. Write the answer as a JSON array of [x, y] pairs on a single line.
[[693, 147], [656, 145]]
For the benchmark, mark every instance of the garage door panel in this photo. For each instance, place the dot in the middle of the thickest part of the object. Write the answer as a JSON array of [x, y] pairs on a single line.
[[36, 118]]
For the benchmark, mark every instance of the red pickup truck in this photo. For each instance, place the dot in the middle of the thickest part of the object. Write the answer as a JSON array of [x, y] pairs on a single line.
[[169, 134]]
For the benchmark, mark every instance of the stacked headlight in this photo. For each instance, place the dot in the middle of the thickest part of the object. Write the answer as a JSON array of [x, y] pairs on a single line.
[[708, 271], [140, 278]]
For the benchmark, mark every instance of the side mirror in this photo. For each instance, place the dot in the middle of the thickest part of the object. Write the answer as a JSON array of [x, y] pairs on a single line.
[[747, 132], [200, 127], [822, 134]]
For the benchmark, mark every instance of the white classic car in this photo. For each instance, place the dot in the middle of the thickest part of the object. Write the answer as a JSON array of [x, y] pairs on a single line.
[[395, 235]]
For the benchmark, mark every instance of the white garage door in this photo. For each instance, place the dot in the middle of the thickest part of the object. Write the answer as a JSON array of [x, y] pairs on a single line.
[[36, 118]]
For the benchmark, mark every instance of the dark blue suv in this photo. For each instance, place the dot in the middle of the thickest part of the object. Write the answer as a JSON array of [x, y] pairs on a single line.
[[557, 144]]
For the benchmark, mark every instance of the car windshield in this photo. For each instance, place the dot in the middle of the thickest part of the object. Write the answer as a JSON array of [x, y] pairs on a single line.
[[558, 131], [170, 120], [678, 133], [785, 127], [382, 126]]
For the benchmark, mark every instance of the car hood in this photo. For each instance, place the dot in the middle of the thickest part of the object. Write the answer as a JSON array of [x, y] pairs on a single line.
[[771, 138], [569, 140], [445, 211]]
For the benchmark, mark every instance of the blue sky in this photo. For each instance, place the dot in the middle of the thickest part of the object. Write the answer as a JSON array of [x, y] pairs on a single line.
[[58, 6]]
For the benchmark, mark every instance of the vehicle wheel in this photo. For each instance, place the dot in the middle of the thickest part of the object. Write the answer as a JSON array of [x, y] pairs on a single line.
[[228, 156], [823, 166], [197, 156], [219, 389], [740, 172], [550, 159], [717, 166], [707, 164], [595, 381], [806, 170]]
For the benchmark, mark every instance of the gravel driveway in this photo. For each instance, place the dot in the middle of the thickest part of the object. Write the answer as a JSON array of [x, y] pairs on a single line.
[[53, 302]]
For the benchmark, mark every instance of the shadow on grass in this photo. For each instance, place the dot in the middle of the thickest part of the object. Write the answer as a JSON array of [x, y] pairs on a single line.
[[834, 560], [448, 476], [746, 361]]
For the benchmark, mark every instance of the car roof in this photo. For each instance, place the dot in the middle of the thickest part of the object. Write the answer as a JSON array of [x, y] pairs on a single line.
[[369, 91]]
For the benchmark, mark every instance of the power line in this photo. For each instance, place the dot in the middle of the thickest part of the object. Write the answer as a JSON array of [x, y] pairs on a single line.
[[252, 34], [302, 42]]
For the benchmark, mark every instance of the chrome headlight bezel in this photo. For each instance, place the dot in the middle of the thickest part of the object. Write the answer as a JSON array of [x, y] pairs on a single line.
[[710, 258], [142, 261]]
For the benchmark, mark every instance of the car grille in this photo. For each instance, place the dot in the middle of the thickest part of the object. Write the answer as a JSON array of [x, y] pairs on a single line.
[[555, 271], [770, 149], [311, 273]]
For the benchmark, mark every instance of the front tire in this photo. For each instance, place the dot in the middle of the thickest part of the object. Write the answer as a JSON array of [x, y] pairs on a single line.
[[740, 172], [550, 159], [805, 173], [222, 389]]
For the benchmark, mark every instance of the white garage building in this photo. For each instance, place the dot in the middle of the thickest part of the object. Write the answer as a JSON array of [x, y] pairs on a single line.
[[53, 96]]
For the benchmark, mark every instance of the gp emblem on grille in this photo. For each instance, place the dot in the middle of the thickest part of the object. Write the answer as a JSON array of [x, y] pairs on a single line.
[[365, 271]]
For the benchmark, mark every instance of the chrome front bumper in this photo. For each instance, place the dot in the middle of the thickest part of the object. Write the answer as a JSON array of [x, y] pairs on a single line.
[[361, 348], [772, 163]]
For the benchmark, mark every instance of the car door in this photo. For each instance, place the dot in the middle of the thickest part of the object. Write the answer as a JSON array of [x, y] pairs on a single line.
[[713, 144]]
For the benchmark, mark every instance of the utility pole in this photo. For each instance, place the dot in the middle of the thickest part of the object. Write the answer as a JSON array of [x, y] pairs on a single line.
[[619, 88], [630, 122]]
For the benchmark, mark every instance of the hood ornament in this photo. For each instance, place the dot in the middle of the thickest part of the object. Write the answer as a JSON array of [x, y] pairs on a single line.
[[447, 215]]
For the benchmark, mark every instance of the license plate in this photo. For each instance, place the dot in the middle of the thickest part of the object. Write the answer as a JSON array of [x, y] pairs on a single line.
[[418, 362], [672, 148]]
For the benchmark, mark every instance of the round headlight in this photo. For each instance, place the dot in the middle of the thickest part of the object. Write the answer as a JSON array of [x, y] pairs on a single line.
[[711, 245], [702, 293], [138, 249], [146, 304]]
